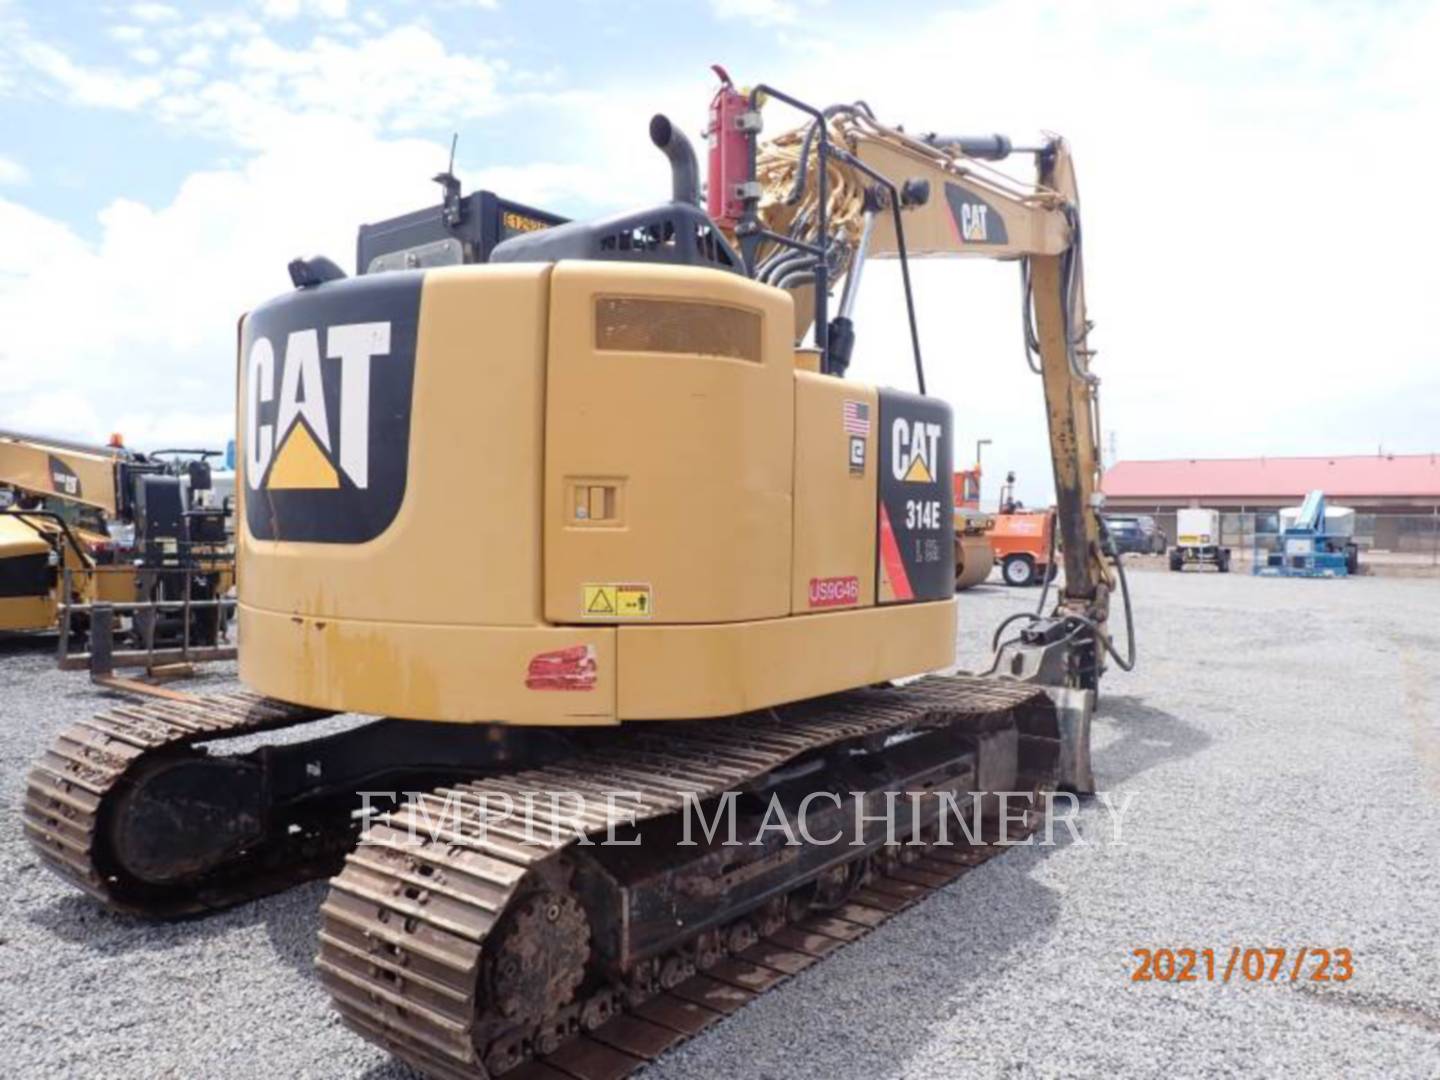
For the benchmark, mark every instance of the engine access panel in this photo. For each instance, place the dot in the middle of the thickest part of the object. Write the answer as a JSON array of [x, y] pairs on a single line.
[[669, 446]]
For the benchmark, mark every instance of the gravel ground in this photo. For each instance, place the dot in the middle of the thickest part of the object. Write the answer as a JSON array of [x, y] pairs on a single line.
[[1281, 746]]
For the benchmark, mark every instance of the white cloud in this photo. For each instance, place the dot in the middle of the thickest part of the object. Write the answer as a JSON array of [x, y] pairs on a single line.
[[267, 86], [103, 87], [285, 10], [38, 243], [759, 12], [544, 184], [12, 172], [423, 81], [161, 288], [62, 413], [127, 34], [217, 27], [154, 13], [196, 56]]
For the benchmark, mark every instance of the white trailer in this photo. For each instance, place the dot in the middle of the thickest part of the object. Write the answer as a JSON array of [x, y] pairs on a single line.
[[1197, 540]]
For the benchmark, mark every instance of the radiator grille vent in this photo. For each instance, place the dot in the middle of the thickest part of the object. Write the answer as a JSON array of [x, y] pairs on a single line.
[[646, 324]]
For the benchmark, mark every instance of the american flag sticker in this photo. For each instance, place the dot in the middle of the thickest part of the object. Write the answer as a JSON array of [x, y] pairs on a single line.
[[857, 418]]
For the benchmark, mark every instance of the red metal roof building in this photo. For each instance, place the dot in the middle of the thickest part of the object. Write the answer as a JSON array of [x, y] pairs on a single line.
[[1397, 496], [1391, 481]]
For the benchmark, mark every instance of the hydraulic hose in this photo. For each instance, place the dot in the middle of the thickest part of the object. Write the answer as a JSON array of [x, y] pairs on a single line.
[[1039, 611], [1071, 272], [1027, 317], [1049, 570], [803, 168], [1123, 663], [995, 638], [1126, 662], [999, 646], [776, 268], [797, 278]]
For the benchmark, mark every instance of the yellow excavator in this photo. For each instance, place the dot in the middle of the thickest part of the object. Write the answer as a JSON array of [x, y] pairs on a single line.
[[640, 585]]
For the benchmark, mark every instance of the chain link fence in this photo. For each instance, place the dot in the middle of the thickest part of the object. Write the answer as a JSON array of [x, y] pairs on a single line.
[[1384, 538]]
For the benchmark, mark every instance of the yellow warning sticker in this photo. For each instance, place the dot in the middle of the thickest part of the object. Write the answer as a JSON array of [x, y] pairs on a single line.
[[619, 601], [598, 600], [632, 601]]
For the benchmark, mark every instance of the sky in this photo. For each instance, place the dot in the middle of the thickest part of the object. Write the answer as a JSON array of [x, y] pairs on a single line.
[[1260, 235]]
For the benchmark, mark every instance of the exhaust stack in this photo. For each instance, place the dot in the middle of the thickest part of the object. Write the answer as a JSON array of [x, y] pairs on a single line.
[[684, 169]]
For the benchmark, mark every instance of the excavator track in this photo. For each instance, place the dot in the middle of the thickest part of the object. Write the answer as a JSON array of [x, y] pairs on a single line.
[[72, 793], [470, 932]]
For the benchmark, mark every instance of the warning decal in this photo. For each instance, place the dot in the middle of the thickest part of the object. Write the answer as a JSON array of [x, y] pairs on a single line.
[[632, 601], [619, 601], [599, 600]]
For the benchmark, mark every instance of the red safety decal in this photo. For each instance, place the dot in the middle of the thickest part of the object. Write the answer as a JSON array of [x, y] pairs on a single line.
[[574, 668], [894, 564], [834, 591]]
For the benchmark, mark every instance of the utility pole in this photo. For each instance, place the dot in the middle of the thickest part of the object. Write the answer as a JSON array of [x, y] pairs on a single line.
[[980, 444]]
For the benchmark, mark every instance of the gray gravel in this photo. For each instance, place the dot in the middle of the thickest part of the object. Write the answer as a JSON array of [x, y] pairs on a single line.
[[1281, 744]]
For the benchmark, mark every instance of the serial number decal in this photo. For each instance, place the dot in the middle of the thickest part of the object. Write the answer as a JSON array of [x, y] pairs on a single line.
[[1308, 963], [520, 223], [834, 591]]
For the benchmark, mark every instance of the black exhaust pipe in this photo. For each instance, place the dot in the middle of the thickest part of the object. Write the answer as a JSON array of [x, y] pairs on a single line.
[[684, 169]]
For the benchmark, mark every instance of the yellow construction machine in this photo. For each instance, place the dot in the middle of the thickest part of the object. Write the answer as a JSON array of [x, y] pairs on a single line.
[[637, 581], [139, 534], [59, 496]]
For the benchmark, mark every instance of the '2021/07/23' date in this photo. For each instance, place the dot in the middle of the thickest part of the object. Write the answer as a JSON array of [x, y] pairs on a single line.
[[1243, 964]]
